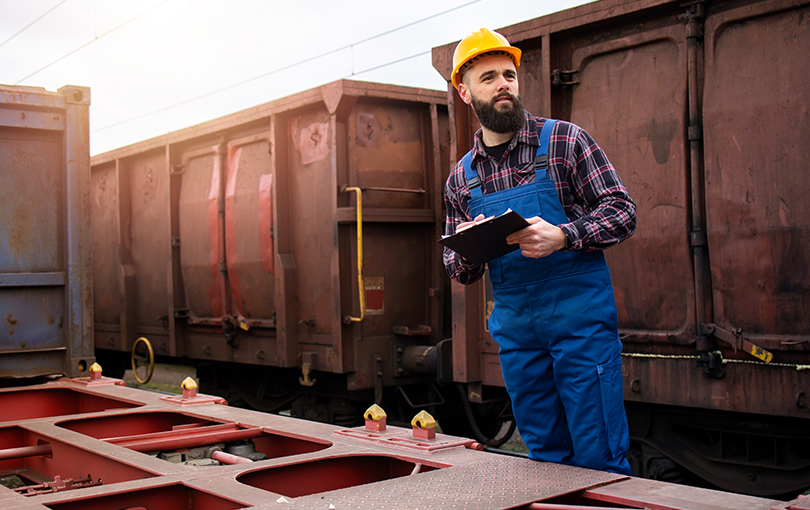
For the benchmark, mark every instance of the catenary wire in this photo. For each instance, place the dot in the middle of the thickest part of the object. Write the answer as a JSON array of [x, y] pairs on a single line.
[[92, 41], [26, 27], [300, 62]]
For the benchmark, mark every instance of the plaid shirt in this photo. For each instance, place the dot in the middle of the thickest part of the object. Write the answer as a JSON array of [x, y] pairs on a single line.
[[593, 197]]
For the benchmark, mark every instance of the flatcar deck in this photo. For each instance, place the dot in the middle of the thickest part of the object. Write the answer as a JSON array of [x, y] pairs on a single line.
[[97, 444]]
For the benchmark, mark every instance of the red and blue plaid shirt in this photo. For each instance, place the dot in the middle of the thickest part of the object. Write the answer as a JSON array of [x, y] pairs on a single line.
[[596, 202]]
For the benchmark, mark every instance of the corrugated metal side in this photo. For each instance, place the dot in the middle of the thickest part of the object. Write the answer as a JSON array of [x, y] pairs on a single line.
[[46, 298]]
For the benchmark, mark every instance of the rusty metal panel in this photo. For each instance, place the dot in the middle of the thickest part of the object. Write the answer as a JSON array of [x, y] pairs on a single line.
[[199, 233], [106, 247], [756, 130], [311, 220], [249, 228], [145, 179], [45, 257], [631, 98]]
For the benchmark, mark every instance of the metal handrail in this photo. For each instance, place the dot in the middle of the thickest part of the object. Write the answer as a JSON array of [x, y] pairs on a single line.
[[360, 287]]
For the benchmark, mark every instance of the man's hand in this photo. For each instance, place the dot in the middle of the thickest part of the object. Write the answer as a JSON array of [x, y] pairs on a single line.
[[468, 224], [539, 239]]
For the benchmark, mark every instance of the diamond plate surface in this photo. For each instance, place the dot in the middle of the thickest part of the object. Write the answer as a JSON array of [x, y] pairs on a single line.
[[498, 482]]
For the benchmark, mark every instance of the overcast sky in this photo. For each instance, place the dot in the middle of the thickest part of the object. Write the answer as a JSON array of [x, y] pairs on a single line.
[[155, 66]]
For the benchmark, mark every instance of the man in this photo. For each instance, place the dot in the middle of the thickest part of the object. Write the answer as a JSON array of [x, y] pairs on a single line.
[[555, 316]]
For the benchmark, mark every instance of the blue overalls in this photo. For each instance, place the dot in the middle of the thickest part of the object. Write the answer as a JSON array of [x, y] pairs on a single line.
[[555, 322]]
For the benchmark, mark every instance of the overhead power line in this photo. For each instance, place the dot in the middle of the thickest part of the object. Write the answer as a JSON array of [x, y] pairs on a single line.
[[300, 62], [108, 32], [26, 27], [390, 63]]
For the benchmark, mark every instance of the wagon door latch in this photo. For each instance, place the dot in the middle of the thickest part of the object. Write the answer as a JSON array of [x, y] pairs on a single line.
[[737, 340], [564, 78]]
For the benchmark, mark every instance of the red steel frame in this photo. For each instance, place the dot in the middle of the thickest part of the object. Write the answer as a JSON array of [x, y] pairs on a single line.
[[99, 464]]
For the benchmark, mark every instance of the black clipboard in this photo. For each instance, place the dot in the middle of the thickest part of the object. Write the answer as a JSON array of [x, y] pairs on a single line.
[[486, 240]]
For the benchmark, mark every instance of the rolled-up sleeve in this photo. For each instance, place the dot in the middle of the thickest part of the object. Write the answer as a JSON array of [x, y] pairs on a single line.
[[458, 212]]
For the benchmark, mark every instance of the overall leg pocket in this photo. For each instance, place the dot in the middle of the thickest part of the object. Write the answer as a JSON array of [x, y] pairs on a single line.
[[610, 384]]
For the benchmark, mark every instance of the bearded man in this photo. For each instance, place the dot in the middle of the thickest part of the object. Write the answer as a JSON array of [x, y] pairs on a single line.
[[555, 315]]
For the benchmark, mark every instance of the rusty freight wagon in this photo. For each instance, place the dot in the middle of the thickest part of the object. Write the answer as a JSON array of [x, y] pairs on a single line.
[[46, 284], [703, 108], [288, 250]]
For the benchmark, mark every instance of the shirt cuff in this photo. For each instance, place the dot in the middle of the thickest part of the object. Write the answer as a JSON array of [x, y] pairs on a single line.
[[571, 239]]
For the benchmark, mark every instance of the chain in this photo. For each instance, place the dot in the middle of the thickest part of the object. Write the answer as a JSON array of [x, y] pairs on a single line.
[[724, 360]]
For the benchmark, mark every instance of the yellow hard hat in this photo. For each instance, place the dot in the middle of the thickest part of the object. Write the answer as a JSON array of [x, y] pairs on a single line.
[[482, 41]]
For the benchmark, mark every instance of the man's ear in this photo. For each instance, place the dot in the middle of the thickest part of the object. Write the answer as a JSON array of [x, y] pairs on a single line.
[[464, 93]]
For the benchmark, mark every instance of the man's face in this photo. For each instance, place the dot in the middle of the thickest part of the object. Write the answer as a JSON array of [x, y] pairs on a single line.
[[490, 85]]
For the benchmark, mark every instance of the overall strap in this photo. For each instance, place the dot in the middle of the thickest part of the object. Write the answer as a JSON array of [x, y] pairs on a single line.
[[473, 182], [541, 158]]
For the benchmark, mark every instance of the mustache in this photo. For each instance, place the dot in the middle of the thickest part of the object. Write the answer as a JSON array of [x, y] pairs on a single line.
[[504, 95]]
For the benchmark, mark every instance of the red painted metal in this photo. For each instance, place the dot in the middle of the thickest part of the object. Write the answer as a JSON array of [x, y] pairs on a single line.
[[555, 506], [308, 465], [25, 451], [185, 438], [227, 458], [24, 404]]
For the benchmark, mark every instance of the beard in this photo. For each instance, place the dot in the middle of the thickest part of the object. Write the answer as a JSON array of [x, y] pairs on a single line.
[[505, 121]]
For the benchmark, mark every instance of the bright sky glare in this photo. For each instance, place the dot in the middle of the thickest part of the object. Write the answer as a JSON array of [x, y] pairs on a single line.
[[155, 66]]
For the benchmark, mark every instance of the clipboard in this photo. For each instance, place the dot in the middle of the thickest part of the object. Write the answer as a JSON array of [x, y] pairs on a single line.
[[486, 240]]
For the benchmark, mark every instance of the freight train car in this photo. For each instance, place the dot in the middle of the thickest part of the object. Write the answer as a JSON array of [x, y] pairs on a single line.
[[289, 251], [46, 299], [703, 108]]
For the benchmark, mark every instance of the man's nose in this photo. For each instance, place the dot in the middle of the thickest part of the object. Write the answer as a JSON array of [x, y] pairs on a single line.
[[502, 83]]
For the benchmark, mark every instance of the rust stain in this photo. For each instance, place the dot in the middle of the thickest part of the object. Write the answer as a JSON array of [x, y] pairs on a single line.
[[51, 320], [368, 129], [11, 320], [313, 142]]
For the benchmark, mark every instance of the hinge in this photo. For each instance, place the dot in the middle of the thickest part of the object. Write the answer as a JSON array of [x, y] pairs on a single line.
[[694, 13], [561, 78]]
